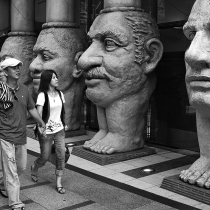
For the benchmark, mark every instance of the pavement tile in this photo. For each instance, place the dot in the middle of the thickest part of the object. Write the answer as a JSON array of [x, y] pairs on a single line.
[[203, 206], [139, 184], [35, 206], [81, 188], [155, 158], [94, 206], [172, 155], [120, 167], [120, 177], [159, 191], [49, 198], [155, 206], [169, 172], [161, 151], [183, 199], [104, 171], [90, 166], [154, 179], [138, 162]]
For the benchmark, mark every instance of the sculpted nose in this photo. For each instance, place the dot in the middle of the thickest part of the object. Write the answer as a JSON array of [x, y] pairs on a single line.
[[198, 54], [90, 58], [35, 67]]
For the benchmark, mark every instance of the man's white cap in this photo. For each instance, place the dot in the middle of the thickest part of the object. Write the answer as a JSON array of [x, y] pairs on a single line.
[[10, 62]]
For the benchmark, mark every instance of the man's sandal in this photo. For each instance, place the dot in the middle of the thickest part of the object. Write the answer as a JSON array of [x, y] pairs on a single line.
[[3, 193], [61, 190], [34, 176]]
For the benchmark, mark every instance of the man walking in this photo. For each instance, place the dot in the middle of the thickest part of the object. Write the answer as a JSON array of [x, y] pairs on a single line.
[[15, 100]]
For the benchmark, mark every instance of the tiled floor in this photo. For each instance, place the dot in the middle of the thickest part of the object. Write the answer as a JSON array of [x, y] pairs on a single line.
[[117, 171]]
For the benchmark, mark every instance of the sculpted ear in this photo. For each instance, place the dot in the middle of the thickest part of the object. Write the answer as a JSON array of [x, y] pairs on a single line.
[[5, 72], [77, 72], [154, 50]]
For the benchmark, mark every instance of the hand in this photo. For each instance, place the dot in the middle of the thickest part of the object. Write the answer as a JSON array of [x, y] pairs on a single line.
[[42, 130]]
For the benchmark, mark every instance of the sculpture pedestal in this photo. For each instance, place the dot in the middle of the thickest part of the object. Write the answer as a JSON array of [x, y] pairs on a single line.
[[78, 132], [174, 184], [103, 159]]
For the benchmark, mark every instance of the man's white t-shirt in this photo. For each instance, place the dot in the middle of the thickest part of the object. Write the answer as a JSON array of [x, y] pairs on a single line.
[[54, 123]]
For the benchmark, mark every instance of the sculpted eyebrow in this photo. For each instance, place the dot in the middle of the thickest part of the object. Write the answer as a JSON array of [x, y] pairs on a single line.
[[41, 49], [114, 34]]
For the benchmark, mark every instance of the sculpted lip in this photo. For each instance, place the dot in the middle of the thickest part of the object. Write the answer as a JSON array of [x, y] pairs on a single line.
[[200, 82], [198, 79]]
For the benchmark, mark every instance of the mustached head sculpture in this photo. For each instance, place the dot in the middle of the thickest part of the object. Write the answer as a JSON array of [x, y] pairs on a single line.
[[118, 68]]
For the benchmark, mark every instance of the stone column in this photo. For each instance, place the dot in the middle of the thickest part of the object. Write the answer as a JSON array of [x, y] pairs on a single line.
[[61, 31], [122, 3], [60, 11], [22, 38]]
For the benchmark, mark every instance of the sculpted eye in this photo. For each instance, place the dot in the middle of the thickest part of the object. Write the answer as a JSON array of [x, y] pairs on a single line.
[[46, 57], [110, 44], [34, 55], [90, 41], [191, 35]]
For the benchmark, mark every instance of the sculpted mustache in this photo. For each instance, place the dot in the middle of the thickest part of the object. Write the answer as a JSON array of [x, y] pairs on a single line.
[[96, 73]]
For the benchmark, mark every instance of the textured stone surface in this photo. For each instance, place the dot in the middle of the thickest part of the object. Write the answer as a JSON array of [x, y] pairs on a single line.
[[119, 70], [104, 159]]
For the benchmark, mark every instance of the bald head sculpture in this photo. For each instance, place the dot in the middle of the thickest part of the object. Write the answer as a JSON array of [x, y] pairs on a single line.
[[56, 49], [197, 60], [118, 68]]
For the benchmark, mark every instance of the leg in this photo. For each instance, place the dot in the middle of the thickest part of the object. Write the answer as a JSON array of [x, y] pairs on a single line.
[[21, 158], [59, 141], [199, 172], [3, 191], [45, 147], [125, 120], [103, 128], [11, 180]]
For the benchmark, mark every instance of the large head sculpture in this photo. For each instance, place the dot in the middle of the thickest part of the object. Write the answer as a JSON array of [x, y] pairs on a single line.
[[197, 60], [123, 53], [56, 49], [119, 73], [21, 47]]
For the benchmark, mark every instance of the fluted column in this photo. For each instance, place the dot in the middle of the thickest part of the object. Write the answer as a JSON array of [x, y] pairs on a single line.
[[22, 38]]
